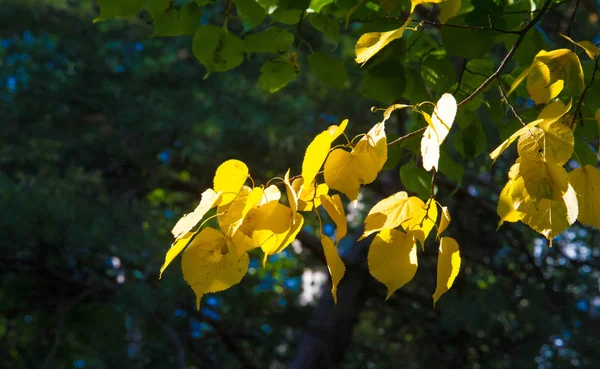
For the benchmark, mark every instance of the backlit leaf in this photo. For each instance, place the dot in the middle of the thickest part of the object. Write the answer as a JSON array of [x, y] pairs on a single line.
[[275, 74], [543, 180], [448, 266], [347, 171], [176, 248], [208, 200], [309, 194], [317, 151], [211, 264], [500, 149], [334, 264], [292, 195], [229, 179], [370, 43], [273, 40], [435, 133], [392, 259], [586, 183], [217, 49], [250, 12], [335, 209], [590, 49], [445, 220]]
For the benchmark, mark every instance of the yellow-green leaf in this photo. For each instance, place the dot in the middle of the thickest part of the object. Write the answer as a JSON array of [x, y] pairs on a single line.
[[211, 264], [448, 266], [504, 145], [370, 43], [543, 180], [317, 151], [208, 201], [421, 223], [414, 3], [346, 171], [506, 207], [229, 179], [334, 264], [586, 183], [445, 220], [175, 249], [590, 49], [392, 259], [436, 132], [335, 209]]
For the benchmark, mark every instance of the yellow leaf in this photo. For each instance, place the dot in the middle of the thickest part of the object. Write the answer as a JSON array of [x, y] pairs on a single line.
[[334, 264], [211, 264], [420, 224], [590, 49], [553, 112], [392, 259], [175, 249], [549, 72], [370, 43], [506, 207], [292, 195], [274, 229], [334, 207], [552, 143], [399, 209], [229, 179], [543, 180], [586, 183], [270, 194], [309, 194], [597, 116], [547, 217], [448, 266], [317, 151], [437, 131], [445, 220], [232, 215], [504, 145], [208, 201], [346, 171]]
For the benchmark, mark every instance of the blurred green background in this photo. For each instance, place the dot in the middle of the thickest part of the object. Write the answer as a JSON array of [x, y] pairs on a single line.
[[108, 136]]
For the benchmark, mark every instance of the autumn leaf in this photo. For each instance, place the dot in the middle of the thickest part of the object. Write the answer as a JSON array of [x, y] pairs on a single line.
[[543, 180], [400, 210], [590, 49], [232, 215], [209, 199], [335, 264], [506, 206], [549, 73], [445, 220], [309, 194], [586, 183], [505, 145], [229, 179], [346, 171], [335, 209], [211, 264], [392, 259], [370, 43], [437, 130], [292, 194], [175, 249], [317, 151], [448, 266]]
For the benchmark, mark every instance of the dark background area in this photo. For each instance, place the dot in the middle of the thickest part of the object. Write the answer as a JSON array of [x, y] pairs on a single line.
[[108, 136]]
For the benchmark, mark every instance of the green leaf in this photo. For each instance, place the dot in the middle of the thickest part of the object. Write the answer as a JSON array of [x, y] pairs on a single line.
[[416, 179], [469, 43], [217, 49], [471, 141], [326, 25], [415, 91], [450, 168], [584, 153], [169, 21], [317, 5], [272, 40], [329, 70], [384, 81], [250, 12], [118, 8], [438, 74], [276, 74], [289, 17]]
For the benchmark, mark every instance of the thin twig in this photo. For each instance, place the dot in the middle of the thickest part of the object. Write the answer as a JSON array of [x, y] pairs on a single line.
[[584, 91], [430, 23], [512, 108], [510, 53], [460, 76], [572, 20], [407, 136]]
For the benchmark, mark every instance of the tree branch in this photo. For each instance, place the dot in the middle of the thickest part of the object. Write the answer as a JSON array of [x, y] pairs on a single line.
[[510, 53]]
